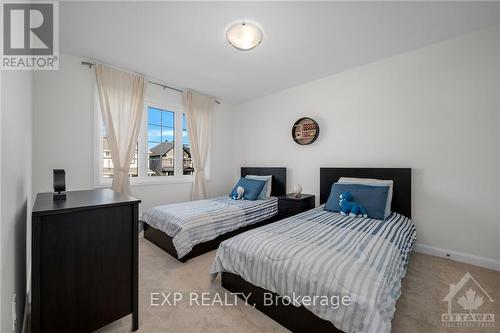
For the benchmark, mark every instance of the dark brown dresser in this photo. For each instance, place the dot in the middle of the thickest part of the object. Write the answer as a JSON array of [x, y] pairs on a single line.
[[84, 261]]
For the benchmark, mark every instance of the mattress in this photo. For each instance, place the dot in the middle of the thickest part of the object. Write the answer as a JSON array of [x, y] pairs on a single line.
[[194, 222], [323, 255]]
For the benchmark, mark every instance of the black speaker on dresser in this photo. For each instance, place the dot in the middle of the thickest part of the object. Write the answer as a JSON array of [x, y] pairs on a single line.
[[84, 261]]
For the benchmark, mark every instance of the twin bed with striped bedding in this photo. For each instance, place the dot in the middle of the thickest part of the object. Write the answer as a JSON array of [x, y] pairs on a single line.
[[320, 253], [194, 222], [189, 229], [318, 257]]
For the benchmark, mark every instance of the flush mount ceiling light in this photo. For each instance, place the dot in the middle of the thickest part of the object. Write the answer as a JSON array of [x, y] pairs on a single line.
[[244, 35]]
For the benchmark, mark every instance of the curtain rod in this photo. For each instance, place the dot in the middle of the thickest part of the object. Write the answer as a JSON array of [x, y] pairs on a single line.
[[91, 64]]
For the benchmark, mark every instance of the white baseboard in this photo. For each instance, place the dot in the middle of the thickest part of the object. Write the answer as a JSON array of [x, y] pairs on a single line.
[[458, 256]]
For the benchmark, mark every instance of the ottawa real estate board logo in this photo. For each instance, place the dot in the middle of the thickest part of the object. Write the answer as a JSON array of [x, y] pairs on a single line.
[[30, 35], [469, 305]]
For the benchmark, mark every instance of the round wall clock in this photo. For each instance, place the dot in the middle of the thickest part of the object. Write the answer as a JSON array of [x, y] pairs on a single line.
[[305, 131]]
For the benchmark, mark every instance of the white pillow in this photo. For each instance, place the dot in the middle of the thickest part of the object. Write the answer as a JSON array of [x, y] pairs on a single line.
[[373, 182], [267, 188]]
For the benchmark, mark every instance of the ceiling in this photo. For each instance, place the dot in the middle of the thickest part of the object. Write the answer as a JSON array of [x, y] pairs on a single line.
[[183, 44]]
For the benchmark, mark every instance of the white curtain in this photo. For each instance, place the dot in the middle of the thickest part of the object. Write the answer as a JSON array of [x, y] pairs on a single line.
[[121, 97], [199, 110]]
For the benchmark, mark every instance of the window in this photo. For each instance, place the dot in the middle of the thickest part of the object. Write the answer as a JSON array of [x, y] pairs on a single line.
[[161, 142], [163, 150]]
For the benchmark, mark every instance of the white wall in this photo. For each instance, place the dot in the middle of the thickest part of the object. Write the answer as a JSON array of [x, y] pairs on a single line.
[[16, 135], [435, 109], [64, 127]]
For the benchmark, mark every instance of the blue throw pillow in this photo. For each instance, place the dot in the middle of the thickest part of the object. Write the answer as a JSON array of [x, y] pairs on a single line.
[[266, 190], [372, 198], [252, 188]]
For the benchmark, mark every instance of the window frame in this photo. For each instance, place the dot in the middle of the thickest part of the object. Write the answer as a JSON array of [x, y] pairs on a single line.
[[142, 141]]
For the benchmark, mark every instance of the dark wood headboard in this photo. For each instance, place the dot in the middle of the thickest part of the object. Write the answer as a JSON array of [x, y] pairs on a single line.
[[278, 186], [401, 197]]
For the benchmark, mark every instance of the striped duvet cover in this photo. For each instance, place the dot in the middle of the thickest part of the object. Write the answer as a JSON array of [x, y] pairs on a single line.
[[193, 222], [324, 254]]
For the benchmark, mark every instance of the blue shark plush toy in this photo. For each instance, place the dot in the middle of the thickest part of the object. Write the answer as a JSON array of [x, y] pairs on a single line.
[[351, 208]]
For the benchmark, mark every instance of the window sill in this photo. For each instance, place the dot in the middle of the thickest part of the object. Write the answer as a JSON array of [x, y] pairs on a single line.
[[159, 180]]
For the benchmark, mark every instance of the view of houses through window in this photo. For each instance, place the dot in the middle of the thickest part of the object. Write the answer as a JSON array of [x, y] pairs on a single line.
[[161, 143], [161, 146]]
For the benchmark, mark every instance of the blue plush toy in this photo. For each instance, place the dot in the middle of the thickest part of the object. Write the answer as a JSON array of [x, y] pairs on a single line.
[[351, 208]]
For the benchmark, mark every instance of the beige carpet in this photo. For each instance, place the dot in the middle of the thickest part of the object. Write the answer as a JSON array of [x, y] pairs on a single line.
[[419, 308]]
